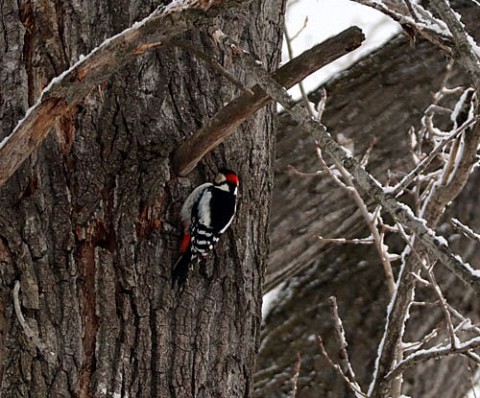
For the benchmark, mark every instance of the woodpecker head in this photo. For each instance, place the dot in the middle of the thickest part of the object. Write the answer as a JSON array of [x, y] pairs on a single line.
[[227, 180]]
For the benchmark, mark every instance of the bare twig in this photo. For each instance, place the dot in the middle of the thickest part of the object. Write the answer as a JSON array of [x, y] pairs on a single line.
[[215, 65], [296, 373], [300, 84], [47, 353], [348, 185], [342, 343], [443, 305], [339, 371], [299, 173]]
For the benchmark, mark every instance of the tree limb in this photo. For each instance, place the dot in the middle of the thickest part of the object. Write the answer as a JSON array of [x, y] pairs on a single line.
[[73, 85], [186, 157], [437, 247]]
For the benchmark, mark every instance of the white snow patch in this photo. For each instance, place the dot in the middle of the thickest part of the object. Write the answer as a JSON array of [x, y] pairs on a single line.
[[269, 300], [328, 18]]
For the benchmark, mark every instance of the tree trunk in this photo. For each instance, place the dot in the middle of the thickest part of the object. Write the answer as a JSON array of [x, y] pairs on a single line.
[[381, 96], [89, 224]]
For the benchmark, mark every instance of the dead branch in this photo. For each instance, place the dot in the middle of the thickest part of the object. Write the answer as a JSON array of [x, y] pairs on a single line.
[[72, 86], [342, 343], [224, 123], [338, 370]]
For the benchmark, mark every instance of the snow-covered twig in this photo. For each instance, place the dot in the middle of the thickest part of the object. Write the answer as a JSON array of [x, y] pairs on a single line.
[[419, 22], [467, 231], [410, 177], [466, 50], [358, 241], [433, 353]]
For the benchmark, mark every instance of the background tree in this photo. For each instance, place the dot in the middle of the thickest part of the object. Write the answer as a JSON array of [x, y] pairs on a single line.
[[89, 224], [381, 97]]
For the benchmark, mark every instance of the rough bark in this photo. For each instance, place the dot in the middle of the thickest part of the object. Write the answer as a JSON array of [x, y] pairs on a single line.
[[381, 97], [89, 224]]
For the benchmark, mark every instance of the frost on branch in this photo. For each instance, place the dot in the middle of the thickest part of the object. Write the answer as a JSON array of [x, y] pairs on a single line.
[[443, 155]]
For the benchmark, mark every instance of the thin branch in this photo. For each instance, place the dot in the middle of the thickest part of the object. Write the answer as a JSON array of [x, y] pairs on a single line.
[[72, 86], [215, 65], [300, 84], [433, 353], [342, 343], [463, 41], [295, 375], [224, 123], [339, 371], [467, 231], [348, 185], [48, 354], [363, 180]]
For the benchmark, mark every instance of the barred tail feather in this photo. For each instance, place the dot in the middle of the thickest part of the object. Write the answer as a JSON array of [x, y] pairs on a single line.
[[180, 270]]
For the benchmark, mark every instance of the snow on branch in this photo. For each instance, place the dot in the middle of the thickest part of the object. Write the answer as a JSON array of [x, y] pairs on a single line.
[[464, 229], [437, 246], [465, 50], [434, 353], [65, 91], [223, 124], [447, 33]]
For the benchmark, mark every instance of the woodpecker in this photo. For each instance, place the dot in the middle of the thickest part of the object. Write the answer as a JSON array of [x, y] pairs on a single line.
[[206, 214]]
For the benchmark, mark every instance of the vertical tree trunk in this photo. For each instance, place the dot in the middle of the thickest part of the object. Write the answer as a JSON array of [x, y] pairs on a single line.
[[89, 225]]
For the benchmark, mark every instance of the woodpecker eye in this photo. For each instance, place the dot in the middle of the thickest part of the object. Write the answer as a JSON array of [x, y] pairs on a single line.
[[220, 178]]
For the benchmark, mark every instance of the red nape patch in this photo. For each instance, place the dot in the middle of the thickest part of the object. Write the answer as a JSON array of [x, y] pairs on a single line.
[[185, 242], [233, 178]]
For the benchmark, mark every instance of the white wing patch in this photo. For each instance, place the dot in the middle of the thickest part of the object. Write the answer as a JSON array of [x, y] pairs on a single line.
[[186, 211], [204, 208]]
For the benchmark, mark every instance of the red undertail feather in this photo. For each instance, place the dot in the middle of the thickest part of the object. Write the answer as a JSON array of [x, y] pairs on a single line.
[[185, 242], [180, 269]]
